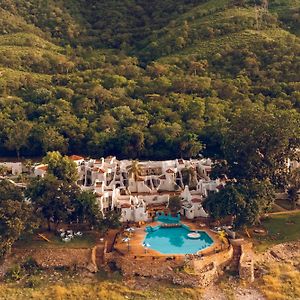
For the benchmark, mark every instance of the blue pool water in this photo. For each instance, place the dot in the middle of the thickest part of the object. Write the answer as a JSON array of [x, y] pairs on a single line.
[[176, 241]]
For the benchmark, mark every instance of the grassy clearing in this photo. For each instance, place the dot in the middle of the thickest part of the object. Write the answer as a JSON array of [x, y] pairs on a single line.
[[283, 6], [103, 290], [277, 208], [27, 40], [12, 75], [282, 282], [284, 203], [283, 227], [243, 39], [88, 240]]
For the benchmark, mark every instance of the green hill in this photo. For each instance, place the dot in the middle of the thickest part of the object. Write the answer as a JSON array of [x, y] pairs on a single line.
[[139, 80]]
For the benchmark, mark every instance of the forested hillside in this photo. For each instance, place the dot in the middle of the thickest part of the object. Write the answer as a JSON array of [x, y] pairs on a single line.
[[147, 79]]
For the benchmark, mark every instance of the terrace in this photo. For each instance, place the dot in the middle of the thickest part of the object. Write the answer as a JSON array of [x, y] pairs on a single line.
[[134, 244]]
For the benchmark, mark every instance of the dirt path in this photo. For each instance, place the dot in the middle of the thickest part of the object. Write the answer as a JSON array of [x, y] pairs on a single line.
[[238, 293], [248, 294], [213, 292]]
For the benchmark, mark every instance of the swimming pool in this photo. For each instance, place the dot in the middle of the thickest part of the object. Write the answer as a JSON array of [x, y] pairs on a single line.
[[175, 240]]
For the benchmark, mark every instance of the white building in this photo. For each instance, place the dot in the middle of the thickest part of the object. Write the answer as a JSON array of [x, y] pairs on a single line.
[[117, 188], [13, 168]]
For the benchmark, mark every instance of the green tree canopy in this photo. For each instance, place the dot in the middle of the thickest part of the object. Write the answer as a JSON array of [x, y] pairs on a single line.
[[51, 198], [86, 209], [16, 215], [174, 204], [246, 201], [258, 142], [61, 167]]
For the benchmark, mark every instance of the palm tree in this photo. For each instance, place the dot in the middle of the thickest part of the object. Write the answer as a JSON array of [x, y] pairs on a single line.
[[134, 170], [223, 238], [28, 165]]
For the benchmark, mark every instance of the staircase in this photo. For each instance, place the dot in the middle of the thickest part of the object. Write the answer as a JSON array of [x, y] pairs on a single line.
[[236, 257]]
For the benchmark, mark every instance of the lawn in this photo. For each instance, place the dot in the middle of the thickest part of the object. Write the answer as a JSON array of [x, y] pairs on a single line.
[[284, 203], [281, 228], [88, 240]]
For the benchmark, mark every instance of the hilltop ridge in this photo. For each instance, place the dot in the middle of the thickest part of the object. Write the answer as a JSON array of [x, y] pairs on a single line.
[[139, 80]]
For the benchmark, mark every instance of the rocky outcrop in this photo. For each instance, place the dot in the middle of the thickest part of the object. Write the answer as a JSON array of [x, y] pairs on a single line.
[[52, 258], [282, 252], [189, 271]]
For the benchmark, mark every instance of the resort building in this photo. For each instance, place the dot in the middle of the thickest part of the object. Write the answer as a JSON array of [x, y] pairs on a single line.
[[138, 190], [13, 168]]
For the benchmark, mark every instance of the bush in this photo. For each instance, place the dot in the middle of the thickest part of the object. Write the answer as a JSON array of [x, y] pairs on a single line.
[[33, 282], [14, 274], [30, 266]]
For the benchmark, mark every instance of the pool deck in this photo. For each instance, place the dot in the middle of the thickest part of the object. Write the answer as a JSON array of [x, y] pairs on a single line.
[[137, 238]]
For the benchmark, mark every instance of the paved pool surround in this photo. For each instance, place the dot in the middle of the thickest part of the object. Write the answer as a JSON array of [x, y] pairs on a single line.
[[175, 239], [136, 245]]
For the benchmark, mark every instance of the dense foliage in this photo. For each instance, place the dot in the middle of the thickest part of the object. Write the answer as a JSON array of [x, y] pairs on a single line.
[[246, 201], [56, 198], [136, 80], [16, 215]]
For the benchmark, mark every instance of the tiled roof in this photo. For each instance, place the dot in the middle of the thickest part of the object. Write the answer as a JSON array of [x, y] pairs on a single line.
[[76, 157], [196, 200], [170, 171], [43, 168]]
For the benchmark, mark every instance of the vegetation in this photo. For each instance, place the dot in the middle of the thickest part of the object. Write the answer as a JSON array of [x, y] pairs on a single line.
[[61, 167], [104, 290], [155, 81], [294, 186], [159, 82], [281, 228], [246, 201], [174, 204], [55, 199], [281, 281], [16, 216]]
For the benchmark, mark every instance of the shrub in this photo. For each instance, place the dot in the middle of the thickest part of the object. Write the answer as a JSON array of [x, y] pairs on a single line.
[[15, 273], [30, 266]]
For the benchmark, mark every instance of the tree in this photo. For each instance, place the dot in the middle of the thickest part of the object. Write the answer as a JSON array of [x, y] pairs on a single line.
[[134, 170], [189, 177], [112, 219], [246, 201], [223, 238], [61, 167], [16, 215], [17, 136], [174, 204], [190, 146], [258, 141], [294, 186], [28, 165], [52, 140], [51, 198], [9, 191], [86, 209], [3, 170]]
